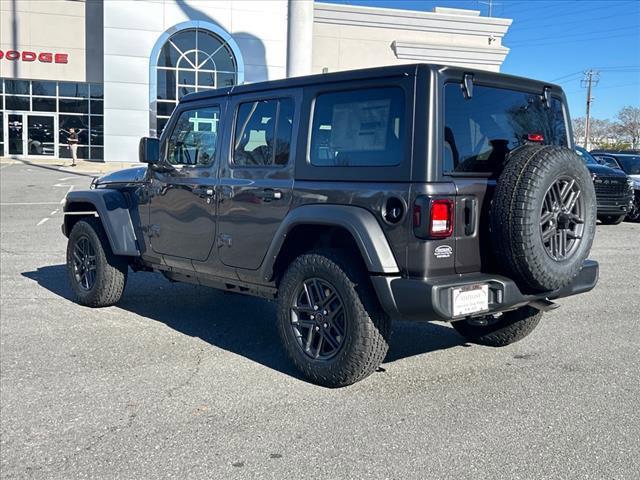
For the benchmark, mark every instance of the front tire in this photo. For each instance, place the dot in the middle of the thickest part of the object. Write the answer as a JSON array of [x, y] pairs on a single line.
[[611, 219], [96, 275], [502, 330], [329, 319]]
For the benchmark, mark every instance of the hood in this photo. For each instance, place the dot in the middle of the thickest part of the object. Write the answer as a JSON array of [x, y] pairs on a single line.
[[127, 175], [603, 171]]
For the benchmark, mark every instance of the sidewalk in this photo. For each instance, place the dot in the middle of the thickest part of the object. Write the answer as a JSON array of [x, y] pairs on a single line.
[[82, 166]]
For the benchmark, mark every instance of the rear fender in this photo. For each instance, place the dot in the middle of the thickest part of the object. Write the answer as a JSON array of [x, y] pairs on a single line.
[[360, 223], [112, 209]]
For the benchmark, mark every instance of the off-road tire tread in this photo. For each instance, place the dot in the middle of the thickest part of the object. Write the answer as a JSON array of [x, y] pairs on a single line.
[[512, 327], [514, 218], [364, 352], [111, 270]]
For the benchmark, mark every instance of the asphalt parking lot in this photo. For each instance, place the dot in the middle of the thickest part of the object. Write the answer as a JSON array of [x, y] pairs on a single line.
[[185, 382]]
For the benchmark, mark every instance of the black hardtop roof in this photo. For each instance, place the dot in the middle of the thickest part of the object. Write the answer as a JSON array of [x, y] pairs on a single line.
[[361, 74]]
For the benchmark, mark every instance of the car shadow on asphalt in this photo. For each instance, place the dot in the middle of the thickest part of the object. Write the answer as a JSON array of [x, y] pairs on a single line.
[[237, 323]]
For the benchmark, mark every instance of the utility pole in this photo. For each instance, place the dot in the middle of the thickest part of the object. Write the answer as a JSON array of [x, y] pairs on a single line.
[[590, 80], [490, 3]]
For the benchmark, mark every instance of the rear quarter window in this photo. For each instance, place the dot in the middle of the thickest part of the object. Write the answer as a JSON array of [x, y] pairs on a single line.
[[358, 128], [480, 131]]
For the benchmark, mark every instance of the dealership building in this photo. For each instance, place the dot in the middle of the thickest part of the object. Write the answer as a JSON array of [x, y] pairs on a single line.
[[114, 70]]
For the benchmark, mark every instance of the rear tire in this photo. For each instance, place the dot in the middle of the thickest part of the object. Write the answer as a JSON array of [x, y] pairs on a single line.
[[611, 220], [501, 331], [359, 334], [97, 276]]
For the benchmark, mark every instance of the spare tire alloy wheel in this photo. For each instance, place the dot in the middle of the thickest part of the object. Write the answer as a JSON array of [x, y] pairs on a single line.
[[318, 319], [562, 218], [543, 217]]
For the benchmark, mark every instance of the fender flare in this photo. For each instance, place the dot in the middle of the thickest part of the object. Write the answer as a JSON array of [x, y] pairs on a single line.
[[360, 223], [113, 211]]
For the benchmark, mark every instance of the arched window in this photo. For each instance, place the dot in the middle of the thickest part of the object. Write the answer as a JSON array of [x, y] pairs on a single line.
[[191, 57]]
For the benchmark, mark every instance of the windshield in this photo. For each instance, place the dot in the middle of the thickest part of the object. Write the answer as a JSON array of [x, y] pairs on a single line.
[[586, 156], [630, 164]]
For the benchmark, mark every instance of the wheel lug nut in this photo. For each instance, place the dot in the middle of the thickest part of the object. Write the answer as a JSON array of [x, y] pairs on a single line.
[[317, 329], [315, 307], [312, 317], [325, 325]]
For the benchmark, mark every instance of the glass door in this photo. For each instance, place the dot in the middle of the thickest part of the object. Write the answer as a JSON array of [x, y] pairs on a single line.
[[40, 135], [15, 129], [31, 134]]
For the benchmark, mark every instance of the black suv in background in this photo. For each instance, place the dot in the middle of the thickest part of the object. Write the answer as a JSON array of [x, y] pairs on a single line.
[[614, 192], [629, 162], [418, 192]]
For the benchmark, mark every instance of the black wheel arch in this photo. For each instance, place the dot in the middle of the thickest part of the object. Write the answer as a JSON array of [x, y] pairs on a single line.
[[111, 208], [320, 226]]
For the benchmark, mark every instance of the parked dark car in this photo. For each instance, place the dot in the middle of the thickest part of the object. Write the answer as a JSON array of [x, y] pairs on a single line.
[[629, 162], [417, 192], [613, 189]]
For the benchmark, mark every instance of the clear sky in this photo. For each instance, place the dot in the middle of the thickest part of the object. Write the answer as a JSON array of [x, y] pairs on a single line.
[[557, 40]]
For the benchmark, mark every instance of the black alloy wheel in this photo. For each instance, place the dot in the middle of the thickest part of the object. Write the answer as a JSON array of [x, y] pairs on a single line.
[[84, 263], [562, 218], [318, 319]]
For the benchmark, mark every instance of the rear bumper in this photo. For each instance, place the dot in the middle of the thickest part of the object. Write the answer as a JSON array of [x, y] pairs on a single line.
[[419, 299]]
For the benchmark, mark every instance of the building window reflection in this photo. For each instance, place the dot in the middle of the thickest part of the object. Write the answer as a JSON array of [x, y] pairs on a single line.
[[191, 60]]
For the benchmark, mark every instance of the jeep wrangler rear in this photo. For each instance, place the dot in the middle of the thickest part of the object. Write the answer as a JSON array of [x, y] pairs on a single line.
[[409, 192]]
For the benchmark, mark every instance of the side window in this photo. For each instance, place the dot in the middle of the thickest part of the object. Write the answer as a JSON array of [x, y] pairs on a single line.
[[194, 138], [263, 133], [358, 128]]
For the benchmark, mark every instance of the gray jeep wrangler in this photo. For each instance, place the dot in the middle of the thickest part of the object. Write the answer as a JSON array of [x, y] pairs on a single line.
[[417, 192]]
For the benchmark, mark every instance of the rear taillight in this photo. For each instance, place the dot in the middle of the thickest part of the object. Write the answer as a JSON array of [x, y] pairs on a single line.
[[433, 218], [441, 218]]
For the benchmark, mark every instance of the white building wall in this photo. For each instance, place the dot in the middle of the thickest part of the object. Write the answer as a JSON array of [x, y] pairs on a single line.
[[347, 37], [131, 29], [44, 27]]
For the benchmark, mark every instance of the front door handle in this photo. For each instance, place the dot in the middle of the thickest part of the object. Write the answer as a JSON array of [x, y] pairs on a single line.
[[205, 192], [269, 194]]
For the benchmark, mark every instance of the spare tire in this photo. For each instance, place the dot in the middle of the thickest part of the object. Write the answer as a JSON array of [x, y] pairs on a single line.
[[543, 217]]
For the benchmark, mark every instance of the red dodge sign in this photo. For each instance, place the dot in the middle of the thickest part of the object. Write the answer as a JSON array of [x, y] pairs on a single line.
[[26, 56]]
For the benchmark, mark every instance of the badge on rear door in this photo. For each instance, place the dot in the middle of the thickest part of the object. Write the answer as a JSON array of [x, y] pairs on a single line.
[[443, 251]]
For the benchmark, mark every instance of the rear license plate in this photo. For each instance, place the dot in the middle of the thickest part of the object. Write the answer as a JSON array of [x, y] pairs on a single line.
[[470, 299]]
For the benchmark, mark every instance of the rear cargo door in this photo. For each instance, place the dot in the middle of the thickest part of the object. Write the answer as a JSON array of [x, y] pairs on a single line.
[[479, 133]]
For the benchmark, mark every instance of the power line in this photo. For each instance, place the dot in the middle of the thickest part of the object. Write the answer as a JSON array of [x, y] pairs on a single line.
[[581, 39], [573, 10], [515, 29], [529, 40]]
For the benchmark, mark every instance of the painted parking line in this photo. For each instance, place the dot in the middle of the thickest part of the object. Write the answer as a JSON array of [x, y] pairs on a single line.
[[42, 221], [11, 204]]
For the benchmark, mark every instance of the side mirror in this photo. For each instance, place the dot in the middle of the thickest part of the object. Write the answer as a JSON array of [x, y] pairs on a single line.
[[149, 150]]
